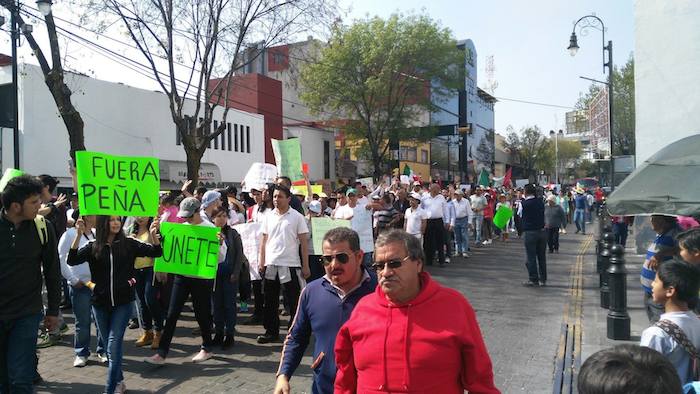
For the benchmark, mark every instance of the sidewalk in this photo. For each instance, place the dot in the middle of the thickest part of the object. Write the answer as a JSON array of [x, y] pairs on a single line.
[[595, 317]]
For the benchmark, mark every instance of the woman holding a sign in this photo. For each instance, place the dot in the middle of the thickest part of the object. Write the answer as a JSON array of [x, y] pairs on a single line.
[[111, 259]]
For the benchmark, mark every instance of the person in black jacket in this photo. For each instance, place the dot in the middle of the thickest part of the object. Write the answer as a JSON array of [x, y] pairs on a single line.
[[111, 259], [532, 215], [24, 258], [226, 288]]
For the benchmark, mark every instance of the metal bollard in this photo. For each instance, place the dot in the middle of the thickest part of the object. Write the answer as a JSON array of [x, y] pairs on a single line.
[[618, 318], [599, 247], [604, 258]]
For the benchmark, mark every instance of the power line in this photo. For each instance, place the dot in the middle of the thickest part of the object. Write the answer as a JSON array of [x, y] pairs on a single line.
[[534, 103]]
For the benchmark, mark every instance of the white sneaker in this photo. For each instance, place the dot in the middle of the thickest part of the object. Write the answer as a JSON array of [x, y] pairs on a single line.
[[102, 358], [203, 355], [465, 255], [155, 359], [121, 388], [80, 361]]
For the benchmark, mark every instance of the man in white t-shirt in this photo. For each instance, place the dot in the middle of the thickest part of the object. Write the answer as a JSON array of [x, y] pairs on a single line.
[[347, 211], [416, 218], [284, 231]]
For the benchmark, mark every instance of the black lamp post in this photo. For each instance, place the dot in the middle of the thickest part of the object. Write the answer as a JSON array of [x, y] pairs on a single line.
[[592, 21], [44, 7]]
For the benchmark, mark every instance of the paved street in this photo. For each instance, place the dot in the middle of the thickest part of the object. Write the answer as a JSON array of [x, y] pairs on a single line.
[[521, 326]]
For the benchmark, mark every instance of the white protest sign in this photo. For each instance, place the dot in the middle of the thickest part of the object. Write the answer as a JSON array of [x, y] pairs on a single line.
[[251, 236], [521, 182], [259, 175], [362, 223], [369, 182]]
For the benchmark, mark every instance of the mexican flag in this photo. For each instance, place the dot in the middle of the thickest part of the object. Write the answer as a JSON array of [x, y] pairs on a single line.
[[484, 178], [407, 171]]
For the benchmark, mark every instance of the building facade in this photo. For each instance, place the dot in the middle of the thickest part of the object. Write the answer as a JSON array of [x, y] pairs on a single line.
[[123, 120]]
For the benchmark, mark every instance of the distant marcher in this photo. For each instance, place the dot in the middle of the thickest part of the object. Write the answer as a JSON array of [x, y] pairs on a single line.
[[324, 306], [677, 333], [411, 335], [661, 249], [554, 219], [434, 204], [28, 258], [627, 369], [416, 218], [689, 244], [581, 204], [532, 215], [620, 227], [463, 219]]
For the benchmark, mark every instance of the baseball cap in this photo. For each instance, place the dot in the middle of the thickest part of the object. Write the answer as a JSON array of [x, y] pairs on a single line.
[[188, 207], [415, 196], [459, 191], [351, 191], [315, 206], [376, 197], [210, 197], [322, 195], [416, 183]]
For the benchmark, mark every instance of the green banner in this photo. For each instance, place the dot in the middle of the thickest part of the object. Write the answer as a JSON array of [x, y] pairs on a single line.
[[319, 228], [189, 250], [9, 174], [117, 185], [288, 158]]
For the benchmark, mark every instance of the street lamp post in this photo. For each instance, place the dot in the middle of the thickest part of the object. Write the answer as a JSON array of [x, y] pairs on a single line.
[[592, 21], [556, 136]]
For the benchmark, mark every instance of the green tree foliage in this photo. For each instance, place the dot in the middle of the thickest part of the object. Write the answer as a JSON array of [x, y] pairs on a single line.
[[377, 75], [623, 107], [531, 149]]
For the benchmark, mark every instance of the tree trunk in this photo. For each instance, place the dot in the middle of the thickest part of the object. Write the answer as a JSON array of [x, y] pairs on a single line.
[[194, 161], [71, 117]]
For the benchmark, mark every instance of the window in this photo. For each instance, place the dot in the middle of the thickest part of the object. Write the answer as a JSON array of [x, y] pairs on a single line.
[[407, 153], [326, 159], [278, 58], [423, 156], [242, 140], [229, 137], [247, 138], [235, 137], [216, 140]]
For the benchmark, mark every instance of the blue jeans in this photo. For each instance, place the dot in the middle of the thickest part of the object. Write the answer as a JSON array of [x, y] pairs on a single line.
[[620, 231], [149, 306], [536, 251], [461, 234], [112, 323], [580, 219], [82, 308], [478, 221], [225, 309], [18, 354]]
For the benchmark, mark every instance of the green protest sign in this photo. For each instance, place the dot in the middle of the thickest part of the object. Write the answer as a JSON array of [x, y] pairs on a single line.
[[117, 185], [319, 228], [189, 250], [502, 216], [288, 158], [9, 174]]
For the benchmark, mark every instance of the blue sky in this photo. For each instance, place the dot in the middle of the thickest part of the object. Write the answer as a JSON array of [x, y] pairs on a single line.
[[528, 40]]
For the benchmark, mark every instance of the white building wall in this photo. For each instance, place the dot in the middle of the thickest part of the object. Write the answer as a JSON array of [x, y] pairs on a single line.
[[312, 141], [666, 76], [119, 120]]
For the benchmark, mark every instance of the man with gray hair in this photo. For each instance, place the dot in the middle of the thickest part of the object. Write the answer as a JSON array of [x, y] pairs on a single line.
[[410, 314], [324, 305]]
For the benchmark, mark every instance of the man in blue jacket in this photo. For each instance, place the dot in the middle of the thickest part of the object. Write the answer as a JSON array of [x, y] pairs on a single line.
[[324, 306]]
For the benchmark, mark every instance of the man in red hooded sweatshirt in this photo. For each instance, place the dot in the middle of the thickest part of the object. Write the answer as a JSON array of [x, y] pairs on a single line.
[[412, 335]]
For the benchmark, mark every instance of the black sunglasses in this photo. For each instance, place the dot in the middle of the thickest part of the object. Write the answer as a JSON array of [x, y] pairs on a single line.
[[393, 264], [342, 258]]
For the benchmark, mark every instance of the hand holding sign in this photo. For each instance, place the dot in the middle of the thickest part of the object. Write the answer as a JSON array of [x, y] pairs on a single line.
[[155, 227], [80, 227]]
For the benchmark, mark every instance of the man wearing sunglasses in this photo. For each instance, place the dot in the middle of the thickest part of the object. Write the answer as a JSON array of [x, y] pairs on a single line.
[[324, 305], [412, 335]]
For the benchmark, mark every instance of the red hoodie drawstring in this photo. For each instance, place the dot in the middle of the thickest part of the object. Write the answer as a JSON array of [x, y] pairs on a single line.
[[405, 348], [386, 339]]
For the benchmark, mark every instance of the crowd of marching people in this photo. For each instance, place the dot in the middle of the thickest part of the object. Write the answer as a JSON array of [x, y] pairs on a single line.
[[102, 268]]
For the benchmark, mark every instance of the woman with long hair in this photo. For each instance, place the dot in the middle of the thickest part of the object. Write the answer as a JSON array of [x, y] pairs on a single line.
[[147, 288], [111, 259]]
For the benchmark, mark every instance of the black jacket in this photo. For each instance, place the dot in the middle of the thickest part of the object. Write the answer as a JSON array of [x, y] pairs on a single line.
[[235, 259], [23, 259], [113, 271]]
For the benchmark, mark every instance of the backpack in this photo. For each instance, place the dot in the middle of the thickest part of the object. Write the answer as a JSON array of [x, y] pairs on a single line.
[[41, 228], [679, 336]]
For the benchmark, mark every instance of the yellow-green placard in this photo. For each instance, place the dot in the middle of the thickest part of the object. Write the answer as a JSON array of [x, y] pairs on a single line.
[[117, 185], [9, 174], [319, 228], [315, 189], [288, 158], [189, 250]]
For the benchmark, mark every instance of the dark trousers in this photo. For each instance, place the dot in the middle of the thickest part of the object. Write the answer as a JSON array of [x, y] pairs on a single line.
[[258, 298], [224, 302], [620, 230], [18, 353], [201, 302], [271, 289], [149, 306], [536, 251], [553, 238], [434, 241]]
